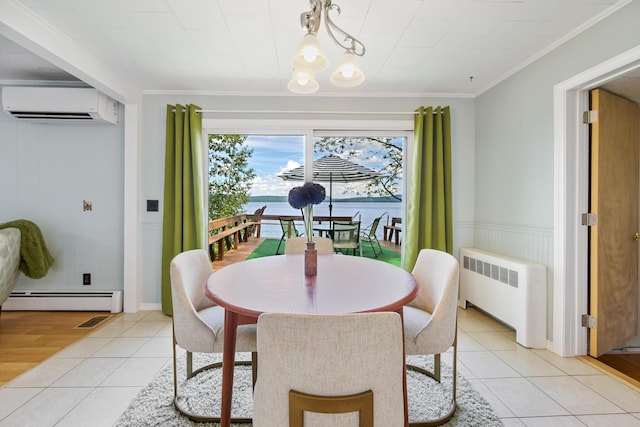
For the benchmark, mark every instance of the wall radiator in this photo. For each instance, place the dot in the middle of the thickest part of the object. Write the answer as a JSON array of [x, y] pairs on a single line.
[[64, 301], [512, 290]]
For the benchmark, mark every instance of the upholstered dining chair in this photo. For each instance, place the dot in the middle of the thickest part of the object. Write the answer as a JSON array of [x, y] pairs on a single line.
[[430, 319], [198, 323], [317, 370], [297, 245], [289, 231]]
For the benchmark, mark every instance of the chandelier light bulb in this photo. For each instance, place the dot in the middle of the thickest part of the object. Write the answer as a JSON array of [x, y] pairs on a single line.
[[309, 57], [302, 79], [348, 73], [303, 83]]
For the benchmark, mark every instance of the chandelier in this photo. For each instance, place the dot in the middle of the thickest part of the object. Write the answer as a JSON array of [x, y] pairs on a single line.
[[309, 58]]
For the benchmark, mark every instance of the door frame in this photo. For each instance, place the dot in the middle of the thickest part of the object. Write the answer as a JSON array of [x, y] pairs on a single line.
[[571, 196]]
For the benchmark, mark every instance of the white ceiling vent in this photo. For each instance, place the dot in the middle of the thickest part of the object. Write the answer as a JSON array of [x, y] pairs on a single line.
[[59, 105]]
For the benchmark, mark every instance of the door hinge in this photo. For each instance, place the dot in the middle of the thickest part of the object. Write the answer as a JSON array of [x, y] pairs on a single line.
[[588, 321], [590, 116], [589, 219]]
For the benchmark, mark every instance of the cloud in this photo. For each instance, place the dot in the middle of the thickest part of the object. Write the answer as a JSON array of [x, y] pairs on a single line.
[[291, 164]]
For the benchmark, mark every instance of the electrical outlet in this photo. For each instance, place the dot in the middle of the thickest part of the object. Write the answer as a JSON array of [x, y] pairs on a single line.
[[86, 279]]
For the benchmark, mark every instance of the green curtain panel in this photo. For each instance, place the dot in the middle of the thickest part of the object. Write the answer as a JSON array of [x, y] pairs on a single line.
[[184, 215], [429, 202]]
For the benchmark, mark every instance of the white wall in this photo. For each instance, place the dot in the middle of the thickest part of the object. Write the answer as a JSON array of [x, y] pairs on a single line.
[[152, 155], [46, 172], [515, 142]]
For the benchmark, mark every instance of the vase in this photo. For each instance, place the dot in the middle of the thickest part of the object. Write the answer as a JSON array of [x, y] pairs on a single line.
[[310, 259]]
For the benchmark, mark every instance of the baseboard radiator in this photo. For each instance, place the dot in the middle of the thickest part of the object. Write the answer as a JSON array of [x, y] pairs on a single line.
[[512, 290], [64, 301]]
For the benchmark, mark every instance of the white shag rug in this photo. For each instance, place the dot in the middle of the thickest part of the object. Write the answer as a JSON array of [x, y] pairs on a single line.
[[428, 399]]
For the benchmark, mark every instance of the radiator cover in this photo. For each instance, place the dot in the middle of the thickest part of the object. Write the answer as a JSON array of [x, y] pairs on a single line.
[[64, 301], [510, 289]]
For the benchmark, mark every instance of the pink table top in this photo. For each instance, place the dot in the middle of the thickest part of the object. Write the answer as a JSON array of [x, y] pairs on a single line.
[[344, 284]]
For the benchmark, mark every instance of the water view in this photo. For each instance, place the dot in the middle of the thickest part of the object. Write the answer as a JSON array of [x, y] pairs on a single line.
[[368, 211], [345, 166]]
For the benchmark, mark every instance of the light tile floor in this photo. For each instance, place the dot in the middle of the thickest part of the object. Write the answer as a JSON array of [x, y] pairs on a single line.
[[91, 382]]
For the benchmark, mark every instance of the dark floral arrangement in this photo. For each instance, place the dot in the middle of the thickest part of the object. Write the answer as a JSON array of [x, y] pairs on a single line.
[[304, 198]]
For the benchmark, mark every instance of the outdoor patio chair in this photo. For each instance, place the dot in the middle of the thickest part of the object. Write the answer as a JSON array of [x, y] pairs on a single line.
[[329, 370], [289, 230], [430, 320], [346, 235], [369, 235]]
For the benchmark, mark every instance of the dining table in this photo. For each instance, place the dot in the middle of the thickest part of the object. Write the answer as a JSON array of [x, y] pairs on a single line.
[[323, 229], [343, 284]]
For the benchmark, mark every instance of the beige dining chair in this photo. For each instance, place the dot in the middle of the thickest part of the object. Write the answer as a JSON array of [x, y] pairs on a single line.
[[297, 245], [198, 323], [430, 319], [317, 370]]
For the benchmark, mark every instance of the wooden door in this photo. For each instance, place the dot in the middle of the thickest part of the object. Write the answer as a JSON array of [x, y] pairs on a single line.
[[613, 256]]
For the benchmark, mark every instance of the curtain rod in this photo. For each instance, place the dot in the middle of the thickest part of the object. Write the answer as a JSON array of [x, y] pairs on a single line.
[[308, 112]]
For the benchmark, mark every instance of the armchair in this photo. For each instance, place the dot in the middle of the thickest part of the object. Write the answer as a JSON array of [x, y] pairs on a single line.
[[9, 261], [333, 377]]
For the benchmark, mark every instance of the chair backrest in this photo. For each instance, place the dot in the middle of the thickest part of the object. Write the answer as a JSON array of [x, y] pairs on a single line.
[[9, 261], [330, 355], [297, 245], [288, 227], [346, 234], [189, 272], [437, 274], [374, 227]]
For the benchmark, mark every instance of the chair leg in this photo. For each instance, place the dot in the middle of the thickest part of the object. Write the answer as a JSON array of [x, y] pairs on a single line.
[[190, 373], [379, 247], [373, 248], [279, 243], [254, 369], [436, 373]]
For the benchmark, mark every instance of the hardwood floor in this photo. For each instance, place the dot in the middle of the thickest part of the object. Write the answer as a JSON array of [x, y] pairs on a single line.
[[27, 338], [627, 364]]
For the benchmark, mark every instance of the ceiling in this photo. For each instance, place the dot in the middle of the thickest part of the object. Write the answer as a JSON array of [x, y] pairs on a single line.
[[413, 47]]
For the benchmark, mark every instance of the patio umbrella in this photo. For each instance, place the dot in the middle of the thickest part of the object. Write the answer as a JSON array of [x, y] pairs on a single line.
[[332, 168]]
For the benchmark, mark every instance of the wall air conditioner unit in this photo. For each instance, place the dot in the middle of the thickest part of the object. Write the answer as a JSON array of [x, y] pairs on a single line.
[[59, 105]]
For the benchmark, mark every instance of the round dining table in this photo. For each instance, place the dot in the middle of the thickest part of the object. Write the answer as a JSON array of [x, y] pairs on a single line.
[[277, 284]]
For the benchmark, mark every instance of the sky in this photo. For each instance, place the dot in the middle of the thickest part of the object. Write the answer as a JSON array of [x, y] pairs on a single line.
[[275, 154]]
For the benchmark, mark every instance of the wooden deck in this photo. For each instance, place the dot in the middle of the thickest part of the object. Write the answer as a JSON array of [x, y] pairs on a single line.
[[243, 251]]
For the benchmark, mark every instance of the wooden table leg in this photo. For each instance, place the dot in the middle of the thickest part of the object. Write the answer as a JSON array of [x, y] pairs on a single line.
[[228, 362], [400, 311]]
